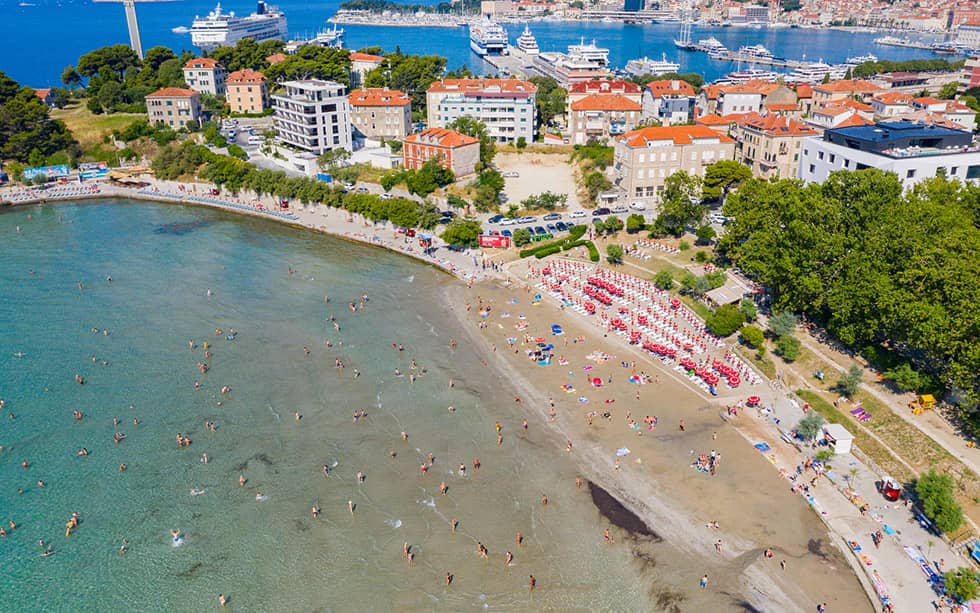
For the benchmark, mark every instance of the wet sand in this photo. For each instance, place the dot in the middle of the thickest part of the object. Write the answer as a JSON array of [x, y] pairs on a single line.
[[655, 494]]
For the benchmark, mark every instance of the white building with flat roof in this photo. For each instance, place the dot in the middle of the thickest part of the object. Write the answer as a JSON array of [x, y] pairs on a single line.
[[506, 106], [914, 151], [313, 115]]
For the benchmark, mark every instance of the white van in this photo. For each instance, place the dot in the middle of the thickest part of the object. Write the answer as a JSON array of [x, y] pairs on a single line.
[[255, 139]]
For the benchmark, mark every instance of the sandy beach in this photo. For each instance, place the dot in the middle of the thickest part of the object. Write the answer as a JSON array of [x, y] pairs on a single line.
[[669, 503]]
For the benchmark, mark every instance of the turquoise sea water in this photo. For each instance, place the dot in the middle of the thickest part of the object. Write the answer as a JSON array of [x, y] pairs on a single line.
[[268, 555], [81, 25]]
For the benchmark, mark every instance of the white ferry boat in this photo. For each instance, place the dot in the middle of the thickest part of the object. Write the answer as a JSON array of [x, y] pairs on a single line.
[[589, 53], [527, 43], [221, 29], [861, 59], [756, 51], [712, 45], [647, 66], [488, 38], [323, 38], [741, 76], [816, 71]]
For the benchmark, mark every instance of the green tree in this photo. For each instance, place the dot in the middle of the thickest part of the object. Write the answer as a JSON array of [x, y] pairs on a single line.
[[614, 254], [491, 178], [850, 382], [595, 183], [948, 91], [522, 236], [905, 378], [117, 59], [464, 232], [313, 62], [635, 223], [545, 200], [550, 100], [391, 179], [237, 152], [722, 176], [809, 427], [521, 143], [680, 206], [412, 74], [705, 235], [25, 125], [612, 225], [664, 280], [752, 336], [782, 323], [477, 129], [749, 309], [935, 492], [725, 320], [70, 77], [788, 347], [962, 583]]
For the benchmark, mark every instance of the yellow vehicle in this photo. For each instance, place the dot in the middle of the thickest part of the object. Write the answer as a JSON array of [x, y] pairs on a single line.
[[922, 402]]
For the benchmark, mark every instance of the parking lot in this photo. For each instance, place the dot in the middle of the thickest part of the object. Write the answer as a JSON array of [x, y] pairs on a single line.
[[537, 173]]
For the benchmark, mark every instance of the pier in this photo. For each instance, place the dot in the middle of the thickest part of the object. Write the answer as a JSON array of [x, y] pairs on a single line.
[[746, 58], [518, 63]]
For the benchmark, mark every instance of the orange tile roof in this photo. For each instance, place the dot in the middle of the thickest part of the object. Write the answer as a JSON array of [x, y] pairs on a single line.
[[275, 58], [776, 125], [754, 86], [956, 105], [783, 107], [245, 76], [599, 86], [378, 96], [893, 98], [854, 120], [172, 92], [606, 102], [42, 93], [711, 91], [479, 85], [680, 135], [803, 90], [442, 137], [202, 62], [854, 104], [669, 87], [832, 110], [847, 86], [719, 120], [357, 56], [927, 100]]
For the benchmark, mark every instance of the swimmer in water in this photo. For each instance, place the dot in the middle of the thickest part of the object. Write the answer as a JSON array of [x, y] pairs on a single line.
[[175, 535], [241, 480]]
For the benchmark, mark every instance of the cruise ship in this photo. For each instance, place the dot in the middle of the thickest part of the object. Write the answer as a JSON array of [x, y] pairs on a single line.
[[741, 76], [323, 38], [647, 66], [815, 73], [590, 52], [488, 38], [527, 43], [221, 29], [756, 51]]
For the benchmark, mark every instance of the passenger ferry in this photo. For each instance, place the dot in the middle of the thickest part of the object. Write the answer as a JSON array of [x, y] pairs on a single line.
[[756, 51], [488, 38], [221, 29], [645, 66], [816, 71], [741, 76], [589, 52]]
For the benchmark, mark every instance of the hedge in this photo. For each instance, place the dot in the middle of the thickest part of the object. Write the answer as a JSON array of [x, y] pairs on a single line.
[[551, 250], [593, 251], [575, 233]]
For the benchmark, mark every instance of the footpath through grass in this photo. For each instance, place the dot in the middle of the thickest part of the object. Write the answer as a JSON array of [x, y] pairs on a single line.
[[90, 129]]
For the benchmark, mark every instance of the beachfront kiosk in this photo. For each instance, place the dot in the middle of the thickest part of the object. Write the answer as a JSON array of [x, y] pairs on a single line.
[[838, 438]]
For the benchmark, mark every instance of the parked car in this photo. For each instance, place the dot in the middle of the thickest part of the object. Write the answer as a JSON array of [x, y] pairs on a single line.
[[448, 214], [562, 226], [361, 190], [510, 174], [577, 214], [620, 209], [601, 211], [506, 232], [349, 186], [552, 217], [638, 206], [496, 219], [540, 230], [552, 228], [386, 196], [508, 222], [444, 221], [527, 219]]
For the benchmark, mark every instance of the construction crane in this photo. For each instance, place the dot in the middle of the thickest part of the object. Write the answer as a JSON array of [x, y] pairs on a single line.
[[132, 24]]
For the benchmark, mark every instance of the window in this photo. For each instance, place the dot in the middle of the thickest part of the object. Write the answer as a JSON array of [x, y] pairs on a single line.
[[820, 155], [910, 174], [973, 172], [812, 168], [833, 158], [953, 170]]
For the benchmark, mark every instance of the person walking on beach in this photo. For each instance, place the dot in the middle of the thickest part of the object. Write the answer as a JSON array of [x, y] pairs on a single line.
[[532, 582], [704, 581]]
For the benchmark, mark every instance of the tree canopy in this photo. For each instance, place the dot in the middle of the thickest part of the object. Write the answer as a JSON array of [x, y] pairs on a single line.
[[118, 81], [313, 62], [875, 265], [722, 176], [477, 129], [551, 99], [412, 74], [27, 133], [680, 206], [246, 53], [935, 492]]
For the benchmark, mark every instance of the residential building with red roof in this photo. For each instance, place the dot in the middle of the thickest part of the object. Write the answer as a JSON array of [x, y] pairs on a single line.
[[890, 104], [718, 123], [844, 88], [381, 113], [644, 158], [174, 106], [771, 144], [247, 91], [577, 91], [506, 106], [45, 95], [669, 101], [275, 58], [361, 64], [455, 151], [599, 117], [205, 76], [971, 73], [836, 115]]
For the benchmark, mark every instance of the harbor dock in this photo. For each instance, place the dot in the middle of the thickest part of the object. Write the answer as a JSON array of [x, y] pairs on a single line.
[[518, 63]]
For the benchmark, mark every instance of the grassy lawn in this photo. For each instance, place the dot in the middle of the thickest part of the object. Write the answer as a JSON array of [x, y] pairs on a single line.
[[765, 365], [89, 129]]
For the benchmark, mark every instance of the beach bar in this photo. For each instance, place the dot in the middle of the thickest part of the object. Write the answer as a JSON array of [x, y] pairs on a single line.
[[838, 438]]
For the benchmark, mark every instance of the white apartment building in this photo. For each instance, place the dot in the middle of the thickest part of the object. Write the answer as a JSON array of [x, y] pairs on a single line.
[[313, 115], [506, 106], [914, 151], [205, 76], [644, 158]]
